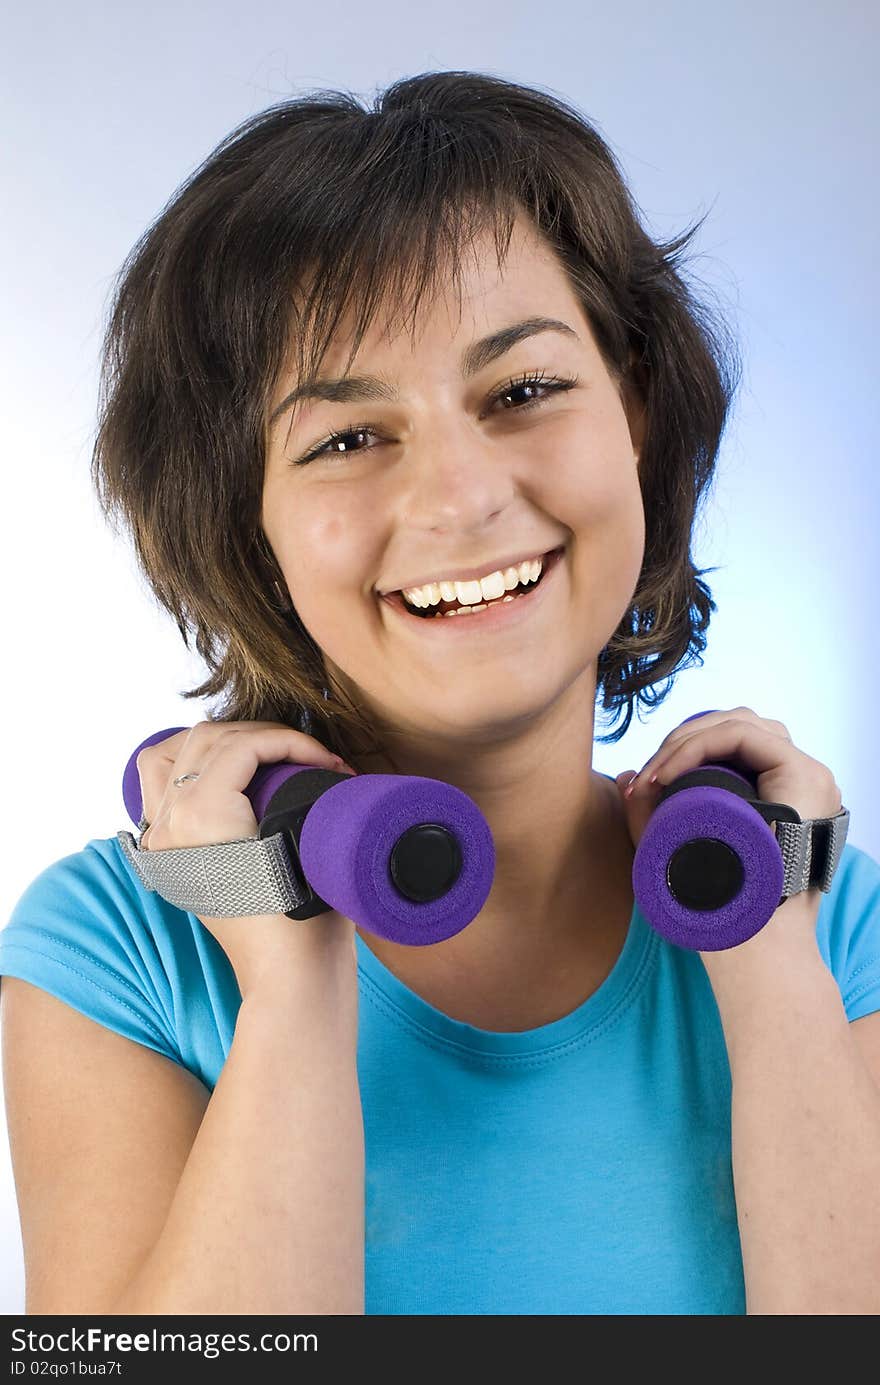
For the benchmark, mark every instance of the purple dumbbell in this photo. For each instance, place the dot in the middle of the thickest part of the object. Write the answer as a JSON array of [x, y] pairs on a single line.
[[406, 858], [708, 871]]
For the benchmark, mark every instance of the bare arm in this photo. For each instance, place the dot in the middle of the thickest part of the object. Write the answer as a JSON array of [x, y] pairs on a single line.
[[141, 1192], [268, 1216], [806, 1124]]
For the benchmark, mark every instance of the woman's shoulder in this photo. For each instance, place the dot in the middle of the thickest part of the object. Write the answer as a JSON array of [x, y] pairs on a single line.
[[848, 930], [87, 930]]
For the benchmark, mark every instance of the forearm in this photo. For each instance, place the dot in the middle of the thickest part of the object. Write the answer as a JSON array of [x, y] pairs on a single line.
[[805, 1126], [268, 1216]]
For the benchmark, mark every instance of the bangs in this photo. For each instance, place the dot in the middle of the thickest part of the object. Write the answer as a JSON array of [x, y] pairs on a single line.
[[397, 240], [397, 279]]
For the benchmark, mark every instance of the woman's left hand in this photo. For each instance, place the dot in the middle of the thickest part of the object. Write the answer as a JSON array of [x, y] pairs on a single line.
[[751, 744]]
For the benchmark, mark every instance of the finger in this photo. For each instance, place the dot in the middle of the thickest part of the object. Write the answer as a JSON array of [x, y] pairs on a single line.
[[233, 757], [640, 781], [746, 714], [691, 728], [688, 730], [159, 764], [646, 779], [154, 764], [756, 748], [697, 724]]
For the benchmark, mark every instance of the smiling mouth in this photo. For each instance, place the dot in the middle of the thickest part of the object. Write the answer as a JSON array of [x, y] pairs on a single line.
[[444, 609]]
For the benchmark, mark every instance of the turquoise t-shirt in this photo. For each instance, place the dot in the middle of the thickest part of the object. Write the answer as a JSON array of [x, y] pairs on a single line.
[[583, 1167]]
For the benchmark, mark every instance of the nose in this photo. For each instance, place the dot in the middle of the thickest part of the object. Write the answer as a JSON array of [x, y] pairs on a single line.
[[460, 482]]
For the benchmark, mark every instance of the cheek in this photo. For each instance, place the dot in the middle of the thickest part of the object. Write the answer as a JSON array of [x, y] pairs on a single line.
[[589, 454], [619, 554], [608, 519], [320, 548], [596, 490]]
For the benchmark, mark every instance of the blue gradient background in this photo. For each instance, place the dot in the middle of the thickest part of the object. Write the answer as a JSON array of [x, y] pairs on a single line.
[[766, 115]]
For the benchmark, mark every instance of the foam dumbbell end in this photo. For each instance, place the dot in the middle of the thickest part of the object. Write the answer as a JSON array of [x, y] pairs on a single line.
[[708, 872]]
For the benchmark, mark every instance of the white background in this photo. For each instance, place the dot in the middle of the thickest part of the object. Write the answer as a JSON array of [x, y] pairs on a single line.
[[764, 113]]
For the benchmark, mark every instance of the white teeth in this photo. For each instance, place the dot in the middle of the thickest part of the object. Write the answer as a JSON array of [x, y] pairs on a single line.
[[473, 593], [471, 610]]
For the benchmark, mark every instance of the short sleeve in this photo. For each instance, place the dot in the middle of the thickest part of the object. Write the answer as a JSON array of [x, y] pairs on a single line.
[[77, 933], [848, 931]]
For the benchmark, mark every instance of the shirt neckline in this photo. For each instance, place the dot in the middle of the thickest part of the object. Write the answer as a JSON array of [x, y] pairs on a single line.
[[425, 1021], [611, 997]]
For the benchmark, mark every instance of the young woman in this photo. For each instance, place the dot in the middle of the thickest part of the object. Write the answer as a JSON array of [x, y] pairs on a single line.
[[367, 352]]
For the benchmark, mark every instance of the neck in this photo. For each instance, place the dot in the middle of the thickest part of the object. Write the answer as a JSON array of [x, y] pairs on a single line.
[[561, 897]]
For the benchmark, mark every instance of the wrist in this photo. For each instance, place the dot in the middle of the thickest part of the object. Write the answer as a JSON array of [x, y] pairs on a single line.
[[305, 1006], [787, 938], [783, 955], [305, 955], [312, 1021]]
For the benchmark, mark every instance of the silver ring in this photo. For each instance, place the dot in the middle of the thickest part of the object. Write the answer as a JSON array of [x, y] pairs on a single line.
[[182, 778]]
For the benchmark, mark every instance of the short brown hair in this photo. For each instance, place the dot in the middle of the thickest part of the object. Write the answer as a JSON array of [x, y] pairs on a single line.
[[367, 205]]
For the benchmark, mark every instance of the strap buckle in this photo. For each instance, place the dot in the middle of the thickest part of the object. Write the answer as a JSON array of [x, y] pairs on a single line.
[[811, 847], [287, 824]]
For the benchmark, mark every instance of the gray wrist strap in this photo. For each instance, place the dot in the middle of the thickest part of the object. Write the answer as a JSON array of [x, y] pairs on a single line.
[[228, 880], [811, 851], [254, 875]]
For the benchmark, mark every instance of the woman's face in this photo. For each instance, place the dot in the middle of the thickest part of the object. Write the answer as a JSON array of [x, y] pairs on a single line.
[[446, 477]]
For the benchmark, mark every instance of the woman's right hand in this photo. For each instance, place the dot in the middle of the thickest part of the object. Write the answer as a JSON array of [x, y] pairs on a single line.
[[266, 949]]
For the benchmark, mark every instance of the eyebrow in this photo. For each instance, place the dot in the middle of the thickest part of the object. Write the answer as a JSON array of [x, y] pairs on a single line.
[[350, 388]]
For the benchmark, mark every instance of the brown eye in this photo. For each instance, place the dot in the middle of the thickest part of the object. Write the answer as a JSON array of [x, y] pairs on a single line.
[[523, 382]]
